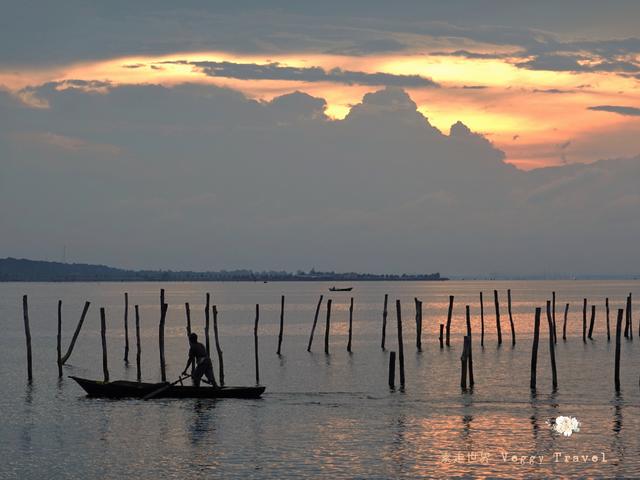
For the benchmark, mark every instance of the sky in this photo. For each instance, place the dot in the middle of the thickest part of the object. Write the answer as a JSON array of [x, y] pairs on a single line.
[[468, 137]]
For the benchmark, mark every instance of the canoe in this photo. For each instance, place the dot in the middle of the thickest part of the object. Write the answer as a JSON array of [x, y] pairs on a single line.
[[334, 289], [126, 389]]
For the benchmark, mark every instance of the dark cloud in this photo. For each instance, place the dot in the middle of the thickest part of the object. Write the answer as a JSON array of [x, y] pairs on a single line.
[[201, 176], [275, 71], [382, 45], [553, 91], [474, 87], [471, 55], [619, 109]]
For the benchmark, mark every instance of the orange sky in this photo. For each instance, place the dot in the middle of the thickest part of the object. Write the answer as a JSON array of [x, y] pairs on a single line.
[[532, 128]]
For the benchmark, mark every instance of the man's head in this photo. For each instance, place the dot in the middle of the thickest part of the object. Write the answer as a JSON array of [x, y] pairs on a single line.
[[193, 338]]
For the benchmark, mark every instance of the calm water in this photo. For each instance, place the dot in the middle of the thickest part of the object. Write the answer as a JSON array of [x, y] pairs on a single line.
[[322, 416]]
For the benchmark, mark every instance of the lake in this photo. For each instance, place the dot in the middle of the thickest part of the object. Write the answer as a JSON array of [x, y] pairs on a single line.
[[322, 416]]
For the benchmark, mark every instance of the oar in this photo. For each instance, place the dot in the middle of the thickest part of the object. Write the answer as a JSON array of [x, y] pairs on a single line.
[[163, 388]]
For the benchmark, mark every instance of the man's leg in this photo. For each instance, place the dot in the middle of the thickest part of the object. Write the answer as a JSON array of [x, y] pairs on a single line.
[[208, 371], [197, 374]]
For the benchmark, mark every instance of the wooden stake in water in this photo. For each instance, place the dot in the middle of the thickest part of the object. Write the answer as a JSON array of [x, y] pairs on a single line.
[[76, 333], [464, 358], [255, 343], [418, 325], [606, 306], [216, 339], [481, 321], [513, 329], [281, 331], [327, 328], [534, 349], [163, 365], [469, 349], [630, 316], [384, 320], [564, 323], [103, 336], [626, 320], [497, 306], [400, 343], [392, 369], [617, 361], [187, 310], [552, 351], [449, 315], [593, 321], [138, 349], [441, 335], [584, 321], [27, 334], [206, 324], [315, 322], [553, 316], [126, 327], [350, 325], [59, 340]]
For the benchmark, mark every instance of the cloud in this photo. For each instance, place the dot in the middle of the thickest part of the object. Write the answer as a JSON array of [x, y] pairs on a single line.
[[619, 109], [204, 177], [275, 71]]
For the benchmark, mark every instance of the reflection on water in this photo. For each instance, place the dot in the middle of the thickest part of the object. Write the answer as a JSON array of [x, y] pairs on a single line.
[[323, 415]]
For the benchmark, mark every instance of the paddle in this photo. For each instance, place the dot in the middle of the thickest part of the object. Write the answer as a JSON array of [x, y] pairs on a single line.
[[158, 391]]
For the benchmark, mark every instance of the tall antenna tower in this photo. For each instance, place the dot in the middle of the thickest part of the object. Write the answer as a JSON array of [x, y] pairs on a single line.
[[64, 254]]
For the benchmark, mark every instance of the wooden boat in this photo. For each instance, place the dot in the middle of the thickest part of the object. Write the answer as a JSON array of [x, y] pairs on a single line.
[[335, 289], [126, 389]]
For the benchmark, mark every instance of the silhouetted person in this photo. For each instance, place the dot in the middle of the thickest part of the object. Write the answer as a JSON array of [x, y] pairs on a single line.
[[203, 366]]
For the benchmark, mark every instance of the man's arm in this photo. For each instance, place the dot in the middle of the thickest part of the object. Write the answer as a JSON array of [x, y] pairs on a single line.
[[189, 362]]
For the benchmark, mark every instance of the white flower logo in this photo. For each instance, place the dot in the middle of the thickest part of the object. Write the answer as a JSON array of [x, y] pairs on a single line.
[[566, 425]]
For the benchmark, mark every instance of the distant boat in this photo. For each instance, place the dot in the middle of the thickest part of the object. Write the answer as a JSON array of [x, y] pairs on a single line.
[[335, 289]]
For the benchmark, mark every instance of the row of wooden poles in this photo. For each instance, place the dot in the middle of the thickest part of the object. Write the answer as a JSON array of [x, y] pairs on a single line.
[[466, 357]]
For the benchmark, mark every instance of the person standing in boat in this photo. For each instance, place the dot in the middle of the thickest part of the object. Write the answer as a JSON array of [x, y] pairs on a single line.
[[203, 366]]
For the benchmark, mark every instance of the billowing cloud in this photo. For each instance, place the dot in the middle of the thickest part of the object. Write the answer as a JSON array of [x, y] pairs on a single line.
[[275, 71], [203, 177], [619, 109]]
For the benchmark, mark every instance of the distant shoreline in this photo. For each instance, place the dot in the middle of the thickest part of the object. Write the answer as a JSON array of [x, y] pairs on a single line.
[[25, 270]]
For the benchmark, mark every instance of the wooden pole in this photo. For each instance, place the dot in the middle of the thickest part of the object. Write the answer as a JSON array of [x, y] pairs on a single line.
[[400, 344], [617, 364], [27, 333], [59, 340], [280, 333], [481, 321], [513, 330], [418, 325], [327, 328], [138, 349], [553, 316], [584, 321], [497, 306], [629, 316], [163, 316], [463, 363], [76, 333], [392, 369], [449, 315], [552, 351], [384, 320], [441, 335], [626, 320], [350, 325], [606, 306], [315, 322], [534, 349], [469, 349], [255, 343], [103, 335], [187, 310], [564, 324], [216, 339], [126, 327], [206, 325], [593, 321]]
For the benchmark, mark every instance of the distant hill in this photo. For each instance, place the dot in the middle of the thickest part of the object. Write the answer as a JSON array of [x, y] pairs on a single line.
[[24, 270]]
